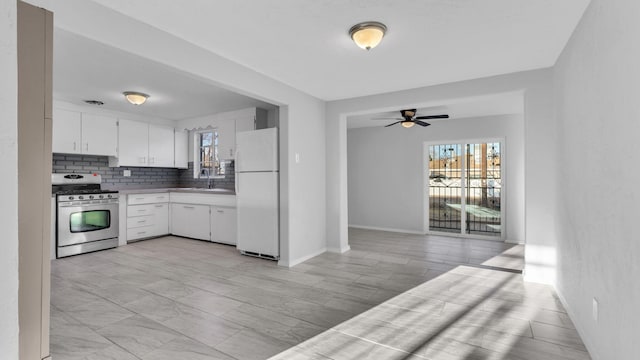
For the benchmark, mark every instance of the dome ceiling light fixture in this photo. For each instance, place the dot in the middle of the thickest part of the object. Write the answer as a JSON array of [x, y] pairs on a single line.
[[368, 34], [135, 98]]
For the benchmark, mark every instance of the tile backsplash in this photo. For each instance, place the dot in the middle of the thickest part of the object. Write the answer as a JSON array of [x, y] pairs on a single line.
[[141, 177], [187, 180]]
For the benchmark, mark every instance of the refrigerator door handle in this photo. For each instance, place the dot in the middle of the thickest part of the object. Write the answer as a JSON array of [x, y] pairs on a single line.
[[237, 161], [236, 177]]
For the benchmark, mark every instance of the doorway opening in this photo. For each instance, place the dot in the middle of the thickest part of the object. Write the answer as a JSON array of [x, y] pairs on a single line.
[[465, 188]]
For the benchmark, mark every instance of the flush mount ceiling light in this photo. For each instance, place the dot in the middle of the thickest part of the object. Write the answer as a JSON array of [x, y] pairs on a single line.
[[135, 98], [367, 35]]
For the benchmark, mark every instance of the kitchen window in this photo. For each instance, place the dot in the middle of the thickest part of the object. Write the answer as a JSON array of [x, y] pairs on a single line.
[[206, 161]]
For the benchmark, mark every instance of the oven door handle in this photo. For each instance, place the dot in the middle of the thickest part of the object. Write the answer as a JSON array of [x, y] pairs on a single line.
[[87, 205]]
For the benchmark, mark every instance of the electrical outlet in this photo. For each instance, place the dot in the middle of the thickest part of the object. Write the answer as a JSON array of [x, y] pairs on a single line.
[[126, 173], [595, 309], [297, 158]]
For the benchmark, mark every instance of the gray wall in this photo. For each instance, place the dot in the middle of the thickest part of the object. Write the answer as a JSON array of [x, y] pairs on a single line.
[[386, 167], [598, 123]]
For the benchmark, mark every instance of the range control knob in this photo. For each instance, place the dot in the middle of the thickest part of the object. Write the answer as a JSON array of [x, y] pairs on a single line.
[[109, 196], [80, 197], [70, 197], [90, 196], [101, 196]]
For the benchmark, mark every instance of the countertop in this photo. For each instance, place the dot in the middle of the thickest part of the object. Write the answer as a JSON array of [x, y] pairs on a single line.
[[185, 190]]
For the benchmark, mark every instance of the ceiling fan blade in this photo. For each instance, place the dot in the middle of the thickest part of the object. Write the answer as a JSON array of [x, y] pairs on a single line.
[[397, 122], [421, 123], [432, 117], [386, 119]]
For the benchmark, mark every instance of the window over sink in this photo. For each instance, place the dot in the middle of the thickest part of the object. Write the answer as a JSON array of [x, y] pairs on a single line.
[[207, 162]]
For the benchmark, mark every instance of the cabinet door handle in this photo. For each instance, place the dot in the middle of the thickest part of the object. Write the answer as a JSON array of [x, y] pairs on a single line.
[[86, 146], [140, 198], [142, 210], [74, 146], [142, 221], [220, 211], [159, 206], [141, 232], [188, 207]]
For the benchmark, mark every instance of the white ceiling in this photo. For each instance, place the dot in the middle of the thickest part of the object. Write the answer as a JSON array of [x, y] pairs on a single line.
[[498, 104], [87, 70], [304, 43]]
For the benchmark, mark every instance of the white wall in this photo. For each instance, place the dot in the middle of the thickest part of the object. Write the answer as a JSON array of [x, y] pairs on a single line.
[[302, 185], [597, 96], [386, 170], [539, 139], [8, 182]]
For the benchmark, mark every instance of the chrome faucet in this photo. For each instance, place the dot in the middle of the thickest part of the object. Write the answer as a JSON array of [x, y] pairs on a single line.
[[209, 179]]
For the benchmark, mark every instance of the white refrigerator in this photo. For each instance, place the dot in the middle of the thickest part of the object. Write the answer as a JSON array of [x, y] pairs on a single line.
[[256, 169]]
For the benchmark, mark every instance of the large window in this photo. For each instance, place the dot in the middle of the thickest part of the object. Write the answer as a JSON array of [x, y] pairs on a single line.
[[206, 162]]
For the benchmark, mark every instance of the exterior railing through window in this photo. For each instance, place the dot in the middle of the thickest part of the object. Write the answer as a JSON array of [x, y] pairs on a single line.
[[465, 178]]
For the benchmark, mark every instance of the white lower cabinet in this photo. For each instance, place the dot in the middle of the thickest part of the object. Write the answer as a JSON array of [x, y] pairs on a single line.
[[223, 225], [191, 220], [147, 216], [193, 215]]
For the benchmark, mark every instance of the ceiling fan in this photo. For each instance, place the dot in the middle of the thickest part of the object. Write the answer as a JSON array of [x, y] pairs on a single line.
[[409, 118]]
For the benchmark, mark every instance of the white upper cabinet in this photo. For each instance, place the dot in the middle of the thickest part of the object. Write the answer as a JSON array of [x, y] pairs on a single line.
[[145, 145], [245, 123], [82, 133], [133, 149], [161, 146], [227, 124], [181, 149], [251, 119], [226, 139], [99, 135], [67, 131], [242, 120]]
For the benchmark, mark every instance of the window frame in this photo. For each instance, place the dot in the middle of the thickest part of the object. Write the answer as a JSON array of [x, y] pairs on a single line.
[[197, 151]]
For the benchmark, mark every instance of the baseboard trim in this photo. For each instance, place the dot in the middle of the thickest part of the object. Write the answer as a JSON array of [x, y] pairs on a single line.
[[514, 242], [403, 231], [585, 339], [341, 250], [302, 259]]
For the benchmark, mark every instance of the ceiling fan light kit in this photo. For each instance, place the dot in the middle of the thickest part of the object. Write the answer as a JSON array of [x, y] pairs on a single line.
[[367, 35], [135, 98], [409, 119]]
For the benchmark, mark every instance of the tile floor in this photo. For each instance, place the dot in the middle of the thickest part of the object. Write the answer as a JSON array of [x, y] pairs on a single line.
[[393, 296]]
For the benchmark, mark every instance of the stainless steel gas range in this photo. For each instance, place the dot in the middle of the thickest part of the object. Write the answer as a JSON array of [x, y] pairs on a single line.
[[86, 215]]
